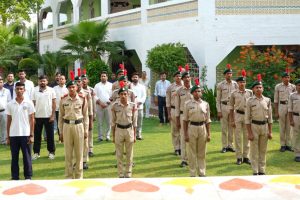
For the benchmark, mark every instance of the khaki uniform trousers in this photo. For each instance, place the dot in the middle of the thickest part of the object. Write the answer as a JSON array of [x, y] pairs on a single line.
[[88, 146], [73, 141], [182, 141], [124, 137], [196, 148], [174, 131], [91, 141], [227, 130], [296, 135], [258, 148], [242, 144], [284, 123]]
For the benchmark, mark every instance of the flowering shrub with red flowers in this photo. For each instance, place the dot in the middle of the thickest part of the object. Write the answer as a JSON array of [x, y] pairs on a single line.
[[270, 63]]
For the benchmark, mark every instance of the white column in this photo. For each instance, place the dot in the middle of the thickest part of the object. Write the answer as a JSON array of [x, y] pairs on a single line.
[[76, 11], [144, 6], [104, 8]]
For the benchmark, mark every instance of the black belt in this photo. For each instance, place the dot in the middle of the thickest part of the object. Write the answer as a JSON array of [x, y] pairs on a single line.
[[240, 112], [259, 122], [297, 114], [283, 102], [173, 107], [124, 126], [78, 121], [181, 112], [2, 110], [224, 102], [197, 123]]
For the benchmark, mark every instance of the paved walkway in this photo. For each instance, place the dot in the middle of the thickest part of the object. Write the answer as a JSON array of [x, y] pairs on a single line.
[[209, 188]]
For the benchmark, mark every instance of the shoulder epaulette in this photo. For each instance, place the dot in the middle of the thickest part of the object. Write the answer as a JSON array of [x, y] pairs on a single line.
[[64, 96], [81, 95]]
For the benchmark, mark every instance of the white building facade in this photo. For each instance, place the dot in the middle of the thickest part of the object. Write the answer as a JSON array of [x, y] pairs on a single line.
[[210, 29]]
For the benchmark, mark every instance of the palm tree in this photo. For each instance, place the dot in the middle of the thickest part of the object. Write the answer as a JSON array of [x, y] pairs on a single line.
[[88, 41], [12, 46]]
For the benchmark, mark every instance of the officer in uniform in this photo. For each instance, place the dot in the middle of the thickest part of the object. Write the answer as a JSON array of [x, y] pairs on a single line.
[[237, 105], [124, 123], [115, 94], [170, 104], [91, 92], [258, 120], [183, 94], [224, 89], [74, 124], [196, 125], [294, 115], [89, 101], [281, 96]]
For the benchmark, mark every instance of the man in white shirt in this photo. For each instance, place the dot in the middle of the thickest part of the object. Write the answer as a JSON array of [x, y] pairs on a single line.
[[140, 92], [160, 97], [29, 86], [103, 91], [4, 99], [20, 123], [146, 82], [43, 98], [60, 91]]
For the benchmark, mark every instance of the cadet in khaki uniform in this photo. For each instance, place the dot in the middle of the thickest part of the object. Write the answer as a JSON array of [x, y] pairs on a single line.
[[224, 89], [119, 73], [294, 115], [196, 125], [237, 105], [89, 101], [170, 104], [124, 122], [258, 120], [91, 92], [281, 96], [115, 94], [73, 123], [183, 94]]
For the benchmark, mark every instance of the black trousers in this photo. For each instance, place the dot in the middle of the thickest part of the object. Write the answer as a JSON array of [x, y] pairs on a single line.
[[162, 110], [17, 143], [56, 118], [38, 127]]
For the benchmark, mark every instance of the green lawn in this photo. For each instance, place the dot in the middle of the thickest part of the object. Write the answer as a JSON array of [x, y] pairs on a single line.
[[154, 157]]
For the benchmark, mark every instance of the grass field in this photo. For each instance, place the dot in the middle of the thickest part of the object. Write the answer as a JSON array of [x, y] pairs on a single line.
[[154, 157]]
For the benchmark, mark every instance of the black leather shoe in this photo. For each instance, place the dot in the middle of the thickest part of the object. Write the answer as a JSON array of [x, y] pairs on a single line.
[[139, 138], [230, 149], [224, 150], [247, 161], [288, 148], [183, 164], [179, 152], [282, 149], [239, 161], [91, 154], [85, 165], [176, 153], [261, 173], [297, 159], [255, 174]]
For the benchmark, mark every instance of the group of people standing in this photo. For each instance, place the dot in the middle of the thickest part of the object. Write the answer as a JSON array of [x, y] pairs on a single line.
[[246, 116]]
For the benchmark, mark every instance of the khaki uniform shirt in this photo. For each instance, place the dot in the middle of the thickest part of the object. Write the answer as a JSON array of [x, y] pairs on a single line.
[[294, 103], [196, 111], [93, 94], [88, 97], [183, 94], [258, 109], [238, 100], [282, 92], [171, 93], [73, 109], [224, 91], [124, 115]]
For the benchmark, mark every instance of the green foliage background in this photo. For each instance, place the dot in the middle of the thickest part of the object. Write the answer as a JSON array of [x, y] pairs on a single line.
[[93, 70], [166, 58]]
